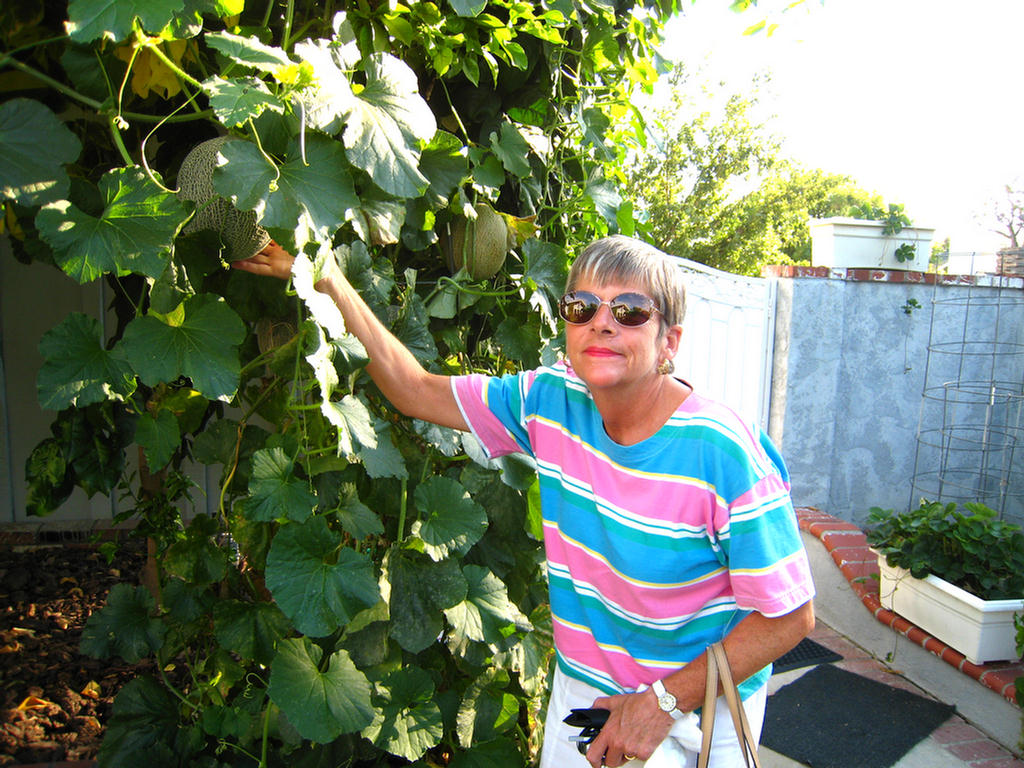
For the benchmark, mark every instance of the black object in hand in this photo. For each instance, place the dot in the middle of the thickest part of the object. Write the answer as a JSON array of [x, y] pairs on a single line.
[[591, 721]]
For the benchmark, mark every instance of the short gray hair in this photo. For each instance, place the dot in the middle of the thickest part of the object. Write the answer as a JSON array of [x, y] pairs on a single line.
[[621, 259]]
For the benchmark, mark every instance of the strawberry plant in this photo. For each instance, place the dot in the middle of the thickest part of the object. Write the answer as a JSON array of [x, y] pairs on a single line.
[[365, 589]]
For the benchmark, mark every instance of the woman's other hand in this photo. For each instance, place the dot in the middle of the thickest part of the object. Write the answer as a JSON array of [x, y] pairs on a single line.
[[272, 261], [635, 728]]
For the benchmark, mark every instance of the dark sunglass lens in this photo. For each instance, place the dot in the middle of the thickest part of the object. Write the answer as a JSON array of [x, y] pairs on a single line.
[[577, 308], [631, 310]]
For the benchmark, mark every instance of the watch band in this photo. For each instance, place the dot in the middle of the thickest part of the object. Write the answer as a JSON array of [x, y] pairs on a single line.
[[666, 701]]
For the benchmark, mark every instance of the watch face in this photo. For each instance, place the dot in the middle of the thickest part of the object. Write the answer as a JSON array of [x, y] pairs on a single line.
[[667, 701]]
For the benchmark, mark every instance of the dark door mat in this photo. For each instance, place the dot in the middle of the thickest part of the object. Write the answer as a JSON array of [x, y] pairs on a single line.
[[807, 653], [831, 718]]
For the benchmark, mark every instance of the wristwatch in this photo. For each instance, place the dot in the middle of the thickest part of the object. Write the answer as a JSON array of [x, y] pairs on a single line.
[[666, 701]]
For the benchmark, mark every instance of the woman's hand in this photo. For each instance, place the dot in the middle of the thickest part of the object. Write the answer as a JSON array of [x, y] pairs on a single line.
[[273, 261], [635, 728]]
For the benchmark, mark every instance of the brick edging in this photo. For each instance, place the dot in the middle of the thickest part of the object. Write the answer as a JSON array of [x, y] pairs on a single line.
[[847, 545]]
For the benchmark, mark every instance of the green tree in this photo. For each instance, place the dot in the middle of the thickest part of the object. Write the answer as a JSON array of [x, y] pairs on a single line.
[[369, 589], [715, 188]]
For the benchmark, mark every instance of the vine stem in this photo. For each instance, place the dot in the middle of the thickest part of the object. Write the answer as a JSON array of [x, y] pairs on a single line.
[[153, 44], [266, 735], [55, 84], [115, 121], [174, 691], [289, 17], [403, 507]]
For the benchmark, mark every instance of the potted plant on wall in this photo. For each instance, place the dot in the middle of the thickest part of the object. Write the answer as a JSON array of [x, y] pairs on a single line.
[[871, 237], [957, 575]]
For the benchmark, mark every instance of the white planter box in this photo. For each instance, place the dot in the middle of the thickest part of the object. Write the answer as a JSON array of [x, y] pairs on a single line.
[[982, 630], [843, 242]]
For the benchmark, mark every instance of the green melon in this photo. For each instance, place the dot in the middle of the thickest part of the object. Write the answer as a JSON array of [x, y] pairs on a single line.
[[481, 244], [238, 230]]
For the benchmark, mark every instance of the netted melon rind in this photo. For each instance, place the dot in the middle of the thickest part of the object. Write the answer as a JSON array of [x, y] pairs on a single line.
[[238, 230], [484, 242]]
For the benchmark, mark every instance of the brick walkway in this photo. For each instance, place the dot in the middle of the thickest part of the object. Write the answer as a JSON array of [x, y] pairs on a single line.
[[848, 548]]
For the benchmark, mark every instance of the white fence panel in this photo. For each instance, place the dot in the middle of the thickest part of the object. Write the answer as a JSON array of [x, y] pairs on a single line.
[[729, 338]]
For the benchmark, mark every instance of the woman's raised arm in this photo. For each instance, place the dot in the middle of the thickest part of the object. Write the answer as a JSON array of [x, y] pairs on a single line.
[[404, 382]]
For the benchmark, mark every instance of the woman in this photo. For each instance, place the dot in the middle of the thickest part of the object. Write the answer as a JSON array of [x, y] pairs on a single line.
[[668, 522]]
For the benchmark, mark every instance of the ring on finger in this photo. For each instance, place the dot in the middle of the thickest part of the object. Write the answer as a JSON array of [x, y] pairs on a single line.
[[630, 757]]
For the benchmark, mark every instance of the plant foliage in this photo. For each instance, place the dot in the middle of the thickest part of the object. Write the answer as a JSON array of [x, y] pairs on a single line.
[[363, 589], [974, 550]]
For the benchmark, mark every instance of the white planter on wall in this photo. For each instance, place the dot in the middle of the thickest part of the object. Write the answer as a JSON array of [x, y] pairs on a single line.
[[982, 630], [844, 242]]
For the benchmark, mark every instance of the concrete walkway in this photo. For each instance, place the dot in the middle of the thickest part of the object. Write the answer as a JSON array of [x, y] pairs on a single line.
[[985, 732]]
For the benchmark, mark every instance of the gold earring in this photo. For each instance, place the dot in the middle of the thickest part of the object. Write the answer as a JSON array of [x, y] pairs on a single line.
[[666, 366]]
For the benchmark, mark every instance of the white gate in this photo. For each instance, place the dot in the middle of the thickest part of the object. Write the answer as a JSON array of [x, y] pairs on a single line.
[[729, 338]]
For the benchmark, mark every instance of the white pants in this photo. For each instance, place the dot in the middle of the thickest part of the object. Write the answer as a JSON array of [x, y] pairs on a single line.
[[568, 693]]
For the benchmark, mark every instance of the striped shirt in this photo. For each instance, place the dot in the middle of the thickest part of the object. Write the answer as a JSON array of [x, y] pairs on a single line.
[[654, 550]]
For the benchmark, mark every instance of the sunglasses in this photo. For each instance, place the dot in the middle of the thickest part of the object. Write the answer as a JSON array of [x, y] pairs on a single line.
[[628, 309]]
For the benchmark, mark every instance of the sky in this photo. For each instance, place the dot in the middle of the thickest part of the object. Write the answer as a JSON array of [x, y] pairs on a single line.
[[917, 100]]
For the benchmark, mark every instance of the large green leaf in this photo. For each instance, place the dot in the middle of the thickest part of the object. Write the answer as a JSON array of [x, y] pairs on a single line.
[[245, 176], [77, 369], [235, 101], [252, 630], [444, 163], [487, 709], [248, 51], [605, 196], [387, 123], [133, 233], [547, 267], [512, 149], [274, 490], [486, 615], [199, 340], [144, 720], [321, 704], [450, 521], [317, 583], [95, 439], [384, 459], [357, 519], [112, 19], [124, 627], [469, 8], [531, 657], [501, 752], [419, 589], [408, 722], [196, 558], [311, 197], [327, 102], [349, 415], [34, 146], [159, 437]]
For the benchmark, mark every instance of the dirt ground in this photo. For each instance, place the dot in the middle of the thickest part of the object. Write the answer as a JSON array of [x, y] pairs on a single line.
[[53, 700]]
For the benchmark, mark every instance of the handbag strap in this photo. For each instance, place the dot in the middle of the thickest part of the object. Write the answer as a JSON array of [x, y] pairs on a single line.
[[718, 667]]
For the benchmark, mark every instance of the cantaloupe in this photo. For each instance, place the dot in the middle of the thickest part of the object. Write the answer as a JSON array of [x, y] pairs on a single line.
[[482, 243], [238, 230]]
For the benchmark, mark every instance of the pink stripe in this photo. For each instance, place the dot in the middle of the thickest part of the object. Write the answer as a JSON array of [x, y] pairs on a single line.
[[768, 487], [689, 502], [579, 646], [786, 586], [495, 438], [637, 600]]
